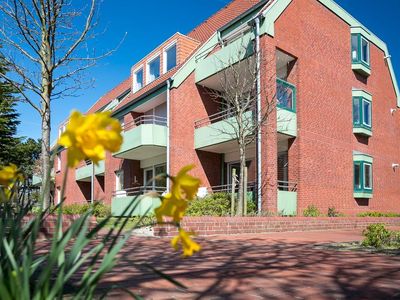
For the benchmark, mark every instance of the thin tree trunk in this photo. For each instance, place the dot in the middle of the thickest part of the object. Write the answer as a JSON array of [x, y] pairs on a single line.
[[242, 155], [47, 80], [46, 166]]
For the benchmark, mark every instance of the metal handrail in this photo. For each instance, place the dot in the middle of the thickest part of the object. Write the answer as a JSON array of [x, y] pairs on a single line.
[[289, 186], [145, 119], [228, 188], [139, 190], [222, 115]]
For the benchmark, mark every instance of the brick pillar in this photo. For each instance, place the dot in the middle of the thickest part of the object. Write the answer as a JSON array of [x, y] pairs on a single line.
[[269, 145]]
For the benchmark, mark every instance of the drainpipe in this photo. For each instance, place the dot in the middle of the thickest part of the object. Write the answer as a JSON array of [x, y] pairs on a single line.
[[168, 129], [259, 156], [92, 185]]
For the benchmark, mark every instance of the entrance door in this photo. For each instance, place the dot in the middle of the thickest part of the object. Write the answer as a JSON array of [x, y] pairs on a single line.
[[231, 167]]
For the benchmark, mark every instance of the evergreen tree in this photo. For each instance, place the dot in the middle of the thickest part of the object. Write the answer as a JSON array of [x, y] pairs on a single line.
[[8, 119]]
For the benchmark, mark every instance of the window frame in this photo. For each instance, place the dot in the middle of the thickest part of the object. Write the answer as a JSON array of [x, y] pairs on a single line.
[[165, 56], [119, 180], [359, 56], [59, 163], [368, 62], [369, 124], [361, 188], [361, 115], [149, 62], [370, 176], [135, 72]]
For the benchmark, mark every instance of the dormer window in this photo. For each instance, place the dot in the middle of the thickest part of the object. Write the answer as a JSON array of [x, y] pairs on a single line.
[[153, 69], [170, 58], [138, 79], [360, 54]]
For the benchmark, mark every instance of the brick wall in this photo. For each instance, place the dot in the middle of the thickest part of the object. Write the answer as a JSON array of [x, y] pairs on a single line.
[[325, 142], [205, 226], [49, 225]]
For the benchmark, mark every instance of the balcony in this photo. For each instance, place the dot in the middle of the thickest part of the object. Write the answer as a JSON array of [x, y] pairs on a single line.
[[216, 133], [144, 137], [287, 198], [209, 68], [146, 200], [84, 173], [286, 108]]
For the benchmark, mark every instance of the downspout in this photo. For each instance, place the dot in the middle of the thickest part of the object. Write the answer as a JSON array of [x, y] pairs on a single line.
[[168, 129], [259, 156], [92, 185]]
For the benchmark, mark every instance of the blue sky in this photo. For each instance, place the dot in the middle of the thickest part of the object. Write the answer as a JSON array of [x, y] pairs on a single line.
[[149, 23]]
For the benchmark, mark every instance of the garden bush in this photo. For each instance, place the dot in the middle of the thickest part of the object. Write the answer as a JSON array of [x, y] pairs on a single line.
[[378, 214], [311, 211], [376, 235], [100, 209], [217, 204], [333, 213]]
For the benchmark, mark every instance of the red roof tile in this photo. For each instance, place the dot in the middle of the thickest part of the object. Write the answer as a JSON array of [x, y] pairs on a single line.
[[235, 8], [111, 95]]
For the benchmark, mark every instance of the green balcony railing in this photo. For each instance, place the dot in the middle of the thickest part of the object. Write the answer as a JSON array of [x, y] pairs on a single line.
[[285, 95]]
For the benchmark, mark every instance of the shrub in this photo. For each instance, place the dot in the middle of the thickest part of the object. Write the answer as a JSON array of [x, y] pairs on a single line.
[[378, 214], [376, 235], [75, 209], [333, 213], [100, 209], [217, 205], [311, 211]]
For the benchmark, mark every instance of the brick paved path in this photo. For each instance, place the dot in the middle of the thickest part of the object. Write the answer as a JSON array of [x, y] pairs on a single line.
[[265, 266]]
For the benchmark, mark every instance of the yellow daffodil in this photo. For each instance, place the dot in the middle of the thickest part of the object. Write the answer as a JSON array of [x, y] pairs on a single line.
[[88, 137], [171, 207], [184, 185], [188, 245], [9, 175]]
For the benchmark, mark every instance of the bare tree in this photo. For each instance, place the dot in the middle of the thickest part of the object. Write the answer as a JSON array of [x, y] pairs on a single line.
[[45, 42], [237, 97]]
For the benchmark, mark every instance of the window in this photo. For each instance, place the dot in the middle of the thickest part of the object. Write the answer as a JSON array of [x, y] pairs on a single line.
[[366, 112], [119, 180], [151, 181], [58, 162], [58, 195], [170, 58], [138, 80], [363, 177], [153, 69], [354, 47], [357, 176], [364, 50], [360, 54], [367, 176], [362, 115]]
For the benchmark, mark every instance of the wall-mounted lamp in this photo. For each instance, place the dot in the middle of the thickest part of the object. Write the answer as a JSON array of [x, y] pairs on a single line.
[[393, 110], [387, 57], [395, 166]]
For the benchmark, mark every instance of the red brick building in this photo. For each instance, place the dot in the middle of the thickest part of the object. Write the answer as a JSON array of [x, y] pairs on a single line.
[[330, 142]]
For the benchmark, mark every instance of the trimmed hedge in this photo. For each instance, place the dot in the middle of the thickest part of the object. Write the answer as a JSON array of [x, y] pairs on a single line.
[[100, 209], [216, 205], [377, 214]]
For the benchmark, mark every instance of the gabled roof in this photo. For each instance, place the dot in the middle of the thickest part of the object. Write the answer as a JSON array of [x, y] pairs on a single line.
[[235, 8], [133, 97], [119, 90]]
